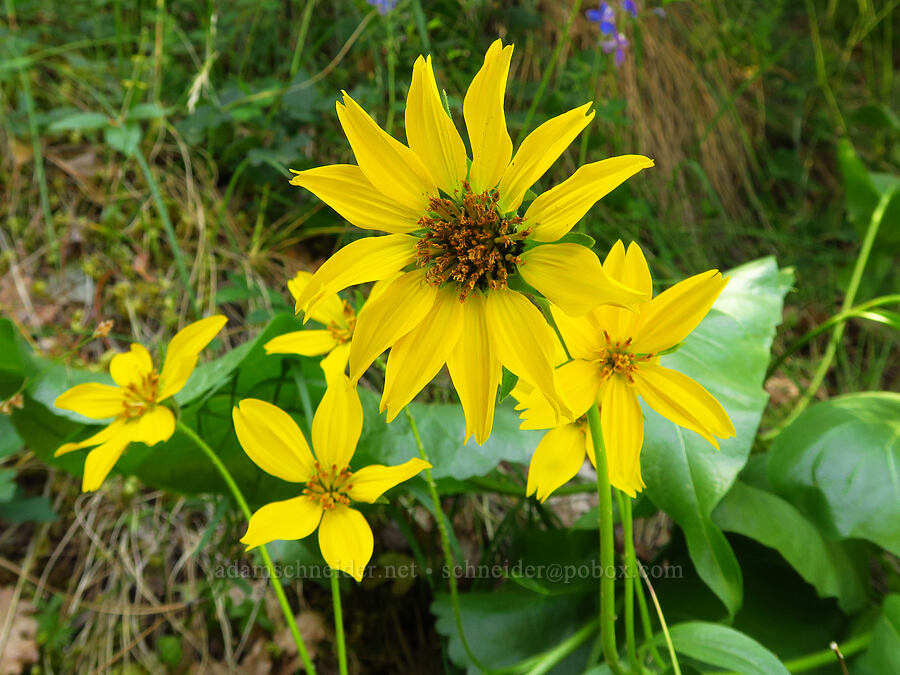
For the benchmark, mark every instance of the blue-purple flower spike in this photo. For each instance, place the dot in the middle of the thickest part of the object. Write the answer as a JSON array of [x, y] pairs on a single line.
[[383, 6], [630, 6], [605, 16]]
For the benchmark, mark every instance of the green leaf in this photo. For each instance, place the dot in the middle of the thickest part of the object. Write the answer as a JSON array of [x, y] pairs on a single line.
[[728, 354], [81, 121], [507, 384], [773, 522], [10, 441], [839, 463], [883, 655], [7, 484], [724, 647], [146, 111], [12, 372], [125, 138], [21, 509]]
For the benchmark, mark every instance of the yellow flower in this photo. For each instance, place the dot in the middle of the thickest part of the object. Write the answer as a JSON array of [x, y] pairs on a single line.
[[615, 359], [456, 234], [135, 402], [276, 445]]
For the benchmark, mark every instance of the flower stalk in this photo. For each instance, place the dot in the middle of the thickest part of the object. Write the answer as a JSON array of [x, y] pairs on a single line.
[[338, 623]]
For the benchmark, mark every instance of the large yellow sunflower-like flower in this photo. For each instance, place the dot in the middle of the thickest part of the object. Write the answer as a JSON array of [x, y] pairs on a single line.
[[276, 445], [134, 404], [615, 359], [456, 235]]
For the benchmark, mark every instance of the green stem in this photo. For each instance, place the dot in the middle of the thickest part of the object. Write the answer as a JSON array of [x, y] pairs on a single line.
[[647, 627], [662, 622], [301, 37], [607, 550], [586, 134], [445, 544], [242, 503], [548, 72], [391, 68], [824, 657], [553, 656], [630, 570], [338, 622]]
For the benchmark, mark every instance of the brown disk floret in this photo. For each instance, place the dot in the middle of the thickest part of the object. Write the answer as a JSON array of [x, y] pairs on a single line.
[[469, 242]]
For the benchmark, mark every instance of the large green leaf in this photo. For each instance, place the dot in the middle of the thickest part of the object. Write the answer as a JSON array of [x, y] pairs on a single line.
[[728, 354], [775, 523], [839, 463], [11, 368], [883, 655], [724, 647]]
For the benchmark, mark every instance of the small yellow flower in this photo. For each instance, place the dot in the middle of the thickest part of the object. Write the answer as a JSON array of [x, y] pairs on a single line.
[[276, 445], [456, 235], [615, 359], [135, 402]]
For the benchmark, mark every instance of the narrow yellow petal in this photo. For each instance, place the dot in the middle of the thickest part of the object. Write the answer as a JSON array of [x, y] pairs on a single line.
[[579, 382], [154, 426], [335, 364], [683, 400], [631, 270], [346, 540], [486, 121], [105, 434], [337, 424], [636, 272], [430, 131], [303, 342], [363, 260], [388, 317], [287, 520], [381, 285], [395, 170], [273, 440], [475, 370], [556, 460], [538, 151], [418, 356], [582, 334], [536, 411], [131, 367], [329, 310], [623, 434], [346, 189], [673, 314], [524, 341], [97, 401], [370, 482], [549, 269], [183, 351], [553, 213], [100, 461]]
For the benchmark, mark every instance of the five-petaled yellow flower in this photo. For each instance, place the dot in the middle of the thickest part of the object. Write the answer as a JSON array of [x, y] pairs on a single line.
[[135, 402], [456, 235], [615, 359], [276, 445]]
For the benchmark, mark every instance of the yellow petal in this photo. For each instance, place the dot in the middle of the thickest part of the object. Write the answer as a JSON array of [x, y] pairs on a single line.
[[100, 461], [623, 434], [185, 347], [131, 367], [536, 410], [418, 356], [582, 334], [579, 382], [673, 314], [486, 121], [346, 189], [105, 434], [549, 269], [97, 401], [683, 400], [430, 131], [369, 483], [360, 261], [395, 170], [538, 151], [524, 341], [381, 285], [286, 520], [346, 541], [553, 213], [154, 426], [388, 317], [475, 370], [329, 310], [335, 364], [631, 270], [273, 440], [556, 460], [337, 424], [303, 342]]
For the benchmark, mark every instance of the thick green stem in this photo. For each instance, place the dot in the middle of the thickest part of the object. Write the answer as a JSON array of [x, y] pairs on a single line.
[[630, 571], [338, 622], [245, 509], [607, 550]]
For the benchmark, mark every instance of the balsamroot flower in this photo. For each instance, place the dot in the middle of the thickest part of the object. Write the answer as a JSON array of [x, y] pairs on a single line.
[[615, 358], [135, 402], [456, 234], [276, 445]]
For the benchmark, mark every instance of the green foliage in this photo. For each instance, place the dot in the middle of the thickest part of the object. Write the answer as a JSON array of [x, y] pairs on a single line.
[[724, 647]]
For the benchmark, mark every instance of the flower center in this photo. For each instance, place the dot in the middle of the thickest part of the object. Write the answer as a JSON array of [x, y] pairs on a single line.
[[469, 242], [140, 396], [616, 359], [344, 333], [329, 487]]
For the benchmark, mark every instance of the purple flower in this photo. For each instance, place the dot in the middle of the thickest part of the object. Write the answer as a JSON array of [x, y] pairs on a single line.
[[630, 6], [605, 16], [618, 44], [383, 6]]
